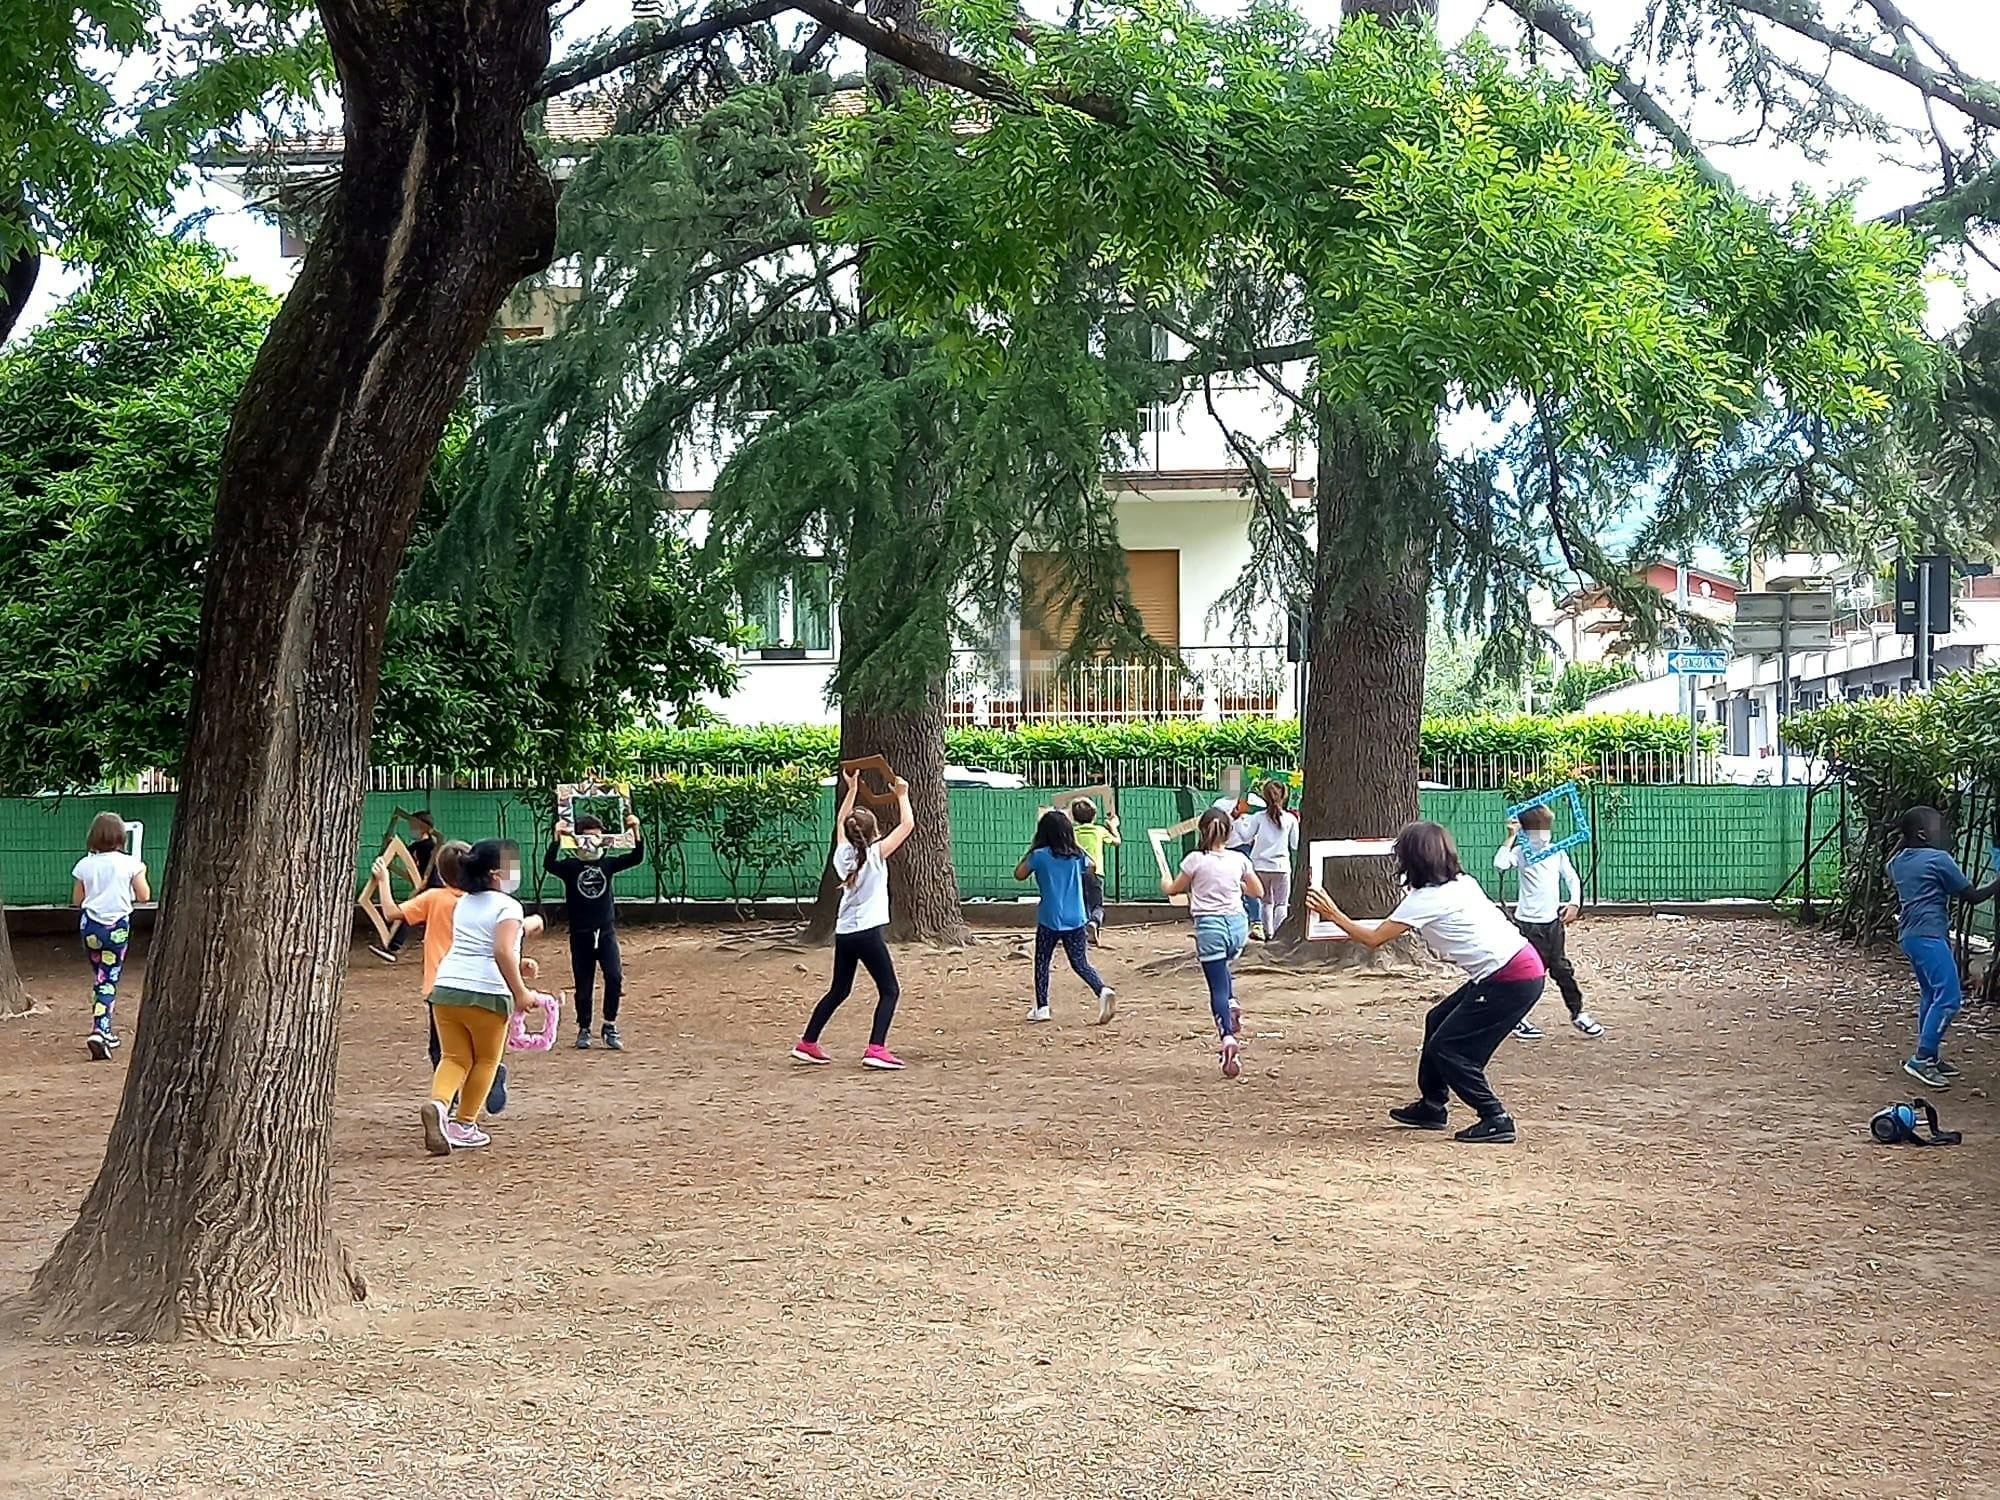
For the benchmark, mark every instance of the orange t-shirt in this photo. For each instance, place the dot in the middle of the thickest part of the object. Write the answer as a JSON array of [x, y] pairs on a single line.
[[433, 908]]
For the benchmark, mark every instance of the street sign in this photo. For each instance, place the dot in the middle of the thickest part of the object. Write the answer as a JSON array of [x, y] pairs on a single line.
[[1799, 620], [1910, 601], [1697, 663]]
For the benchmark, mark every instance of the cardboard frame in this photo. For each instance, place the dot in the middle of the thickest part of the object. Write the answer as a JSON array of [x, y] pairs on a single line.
[[881, 803], [616, 834], [1158, 838], [1569, 796], [395, 850], [1318, 852], [1105, 797]]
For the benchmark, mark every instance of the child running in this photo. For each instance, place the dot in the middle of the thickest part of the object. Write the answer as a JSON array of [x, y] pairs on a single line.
[[1503, 972], [1551, 898], [432, 909], [423, 854], [1926, 878], [1057, 865], [860, 928], [1216, 879], [593, 918], [479, 982], [1272, 839], [1091, 838], [109, 883]]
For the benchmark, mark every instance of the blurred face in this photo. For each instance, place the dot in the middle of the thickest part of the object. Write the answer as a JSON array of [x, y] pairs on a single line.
[[589, 845], [1539, 837], [509, 876]]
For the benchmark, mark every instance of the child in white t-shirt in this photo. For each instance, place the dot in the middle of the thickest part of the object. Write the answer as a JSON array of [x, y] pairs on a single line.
[[860, 929], [1215, 879], [1551, 898], [1271, 835], [109, 883], [1504, 977]]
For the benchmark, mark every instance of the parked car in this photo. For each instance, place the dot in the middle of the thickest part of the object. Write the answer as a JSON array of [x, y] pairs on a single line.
[[957, 778]]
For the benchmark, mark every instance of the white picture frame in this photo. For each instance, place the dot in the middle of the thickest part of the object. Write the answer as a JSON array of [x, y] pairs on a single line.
[[1318, 852]]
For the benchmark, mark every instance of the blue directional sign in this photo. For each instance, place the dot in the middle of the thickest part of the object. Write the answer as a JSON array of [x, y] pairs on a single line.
[[1698, 663]]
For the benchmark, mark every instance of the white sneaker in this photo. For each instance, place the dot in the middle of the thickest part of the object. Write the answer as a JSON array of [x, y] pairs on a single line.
[[1584, 1022], [1107, 1005], [1527, 1031], [1039, 1013], [466, 1137], [437, 1134], [1232, 1065]]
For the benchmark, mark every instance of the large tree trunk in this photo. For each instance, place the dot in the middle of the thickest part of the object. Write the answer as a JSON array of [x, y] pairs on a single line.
[[19, 270], [1365, 689], [14, 1000], [210, 1213]]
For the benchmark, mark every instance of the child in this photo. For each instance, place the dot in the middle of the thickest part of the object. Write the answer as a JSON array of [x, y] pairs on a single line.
[[1058, 866], [1237, 806], [431, 909], [1504, 977], [1271, 838], [109, 883], [1926, 878], [479, 982], [593, 918], [423, 853], [1091, 837], [1551, 898], [1217, 880], [858, 930]]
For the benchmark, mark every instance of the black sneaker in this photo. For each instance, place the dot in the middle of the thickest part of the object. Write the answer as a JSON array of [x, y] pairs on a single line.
[[583, 1041], [100, 1045], [1494, 1130], [613, 1040], [1950, 1070], [1420, 1115]]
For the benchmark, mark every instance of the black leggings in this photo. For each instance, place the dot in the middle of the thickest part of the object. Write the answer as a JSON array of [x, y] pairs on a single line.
[[1460, 1034], [868, 950]]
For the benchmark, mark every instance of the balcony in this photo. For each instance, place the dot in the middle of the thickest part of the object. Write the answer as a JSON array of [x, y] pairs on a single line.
[[1210, 683]]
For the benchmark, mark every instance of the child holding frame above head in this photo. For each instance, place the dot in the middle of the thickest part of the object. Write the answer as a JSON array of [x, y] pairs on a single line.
[[1504, 976], [1091, 838], [860, 929], [1057, 865], [1217, 879], [1551, 898]]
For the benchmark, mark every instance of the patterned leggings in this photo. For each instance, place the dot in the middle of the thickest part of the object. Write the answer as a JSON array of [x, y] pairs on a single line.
[[104, 943]]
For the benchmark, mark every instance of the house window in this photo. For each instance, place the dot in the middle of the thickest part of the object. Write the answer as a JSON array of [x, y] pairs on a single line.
[[1049, 605], [791, 614]]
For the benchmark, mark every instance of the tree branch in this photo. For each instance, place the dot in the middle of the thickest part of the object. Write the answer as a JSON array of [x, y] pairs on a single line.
[[651, 44], [1558, 22], [1795, 18]]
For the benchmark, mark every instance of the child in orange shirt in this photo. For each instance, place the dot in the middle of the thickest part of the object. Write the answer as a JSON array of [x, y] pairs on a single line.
[[431, 909]]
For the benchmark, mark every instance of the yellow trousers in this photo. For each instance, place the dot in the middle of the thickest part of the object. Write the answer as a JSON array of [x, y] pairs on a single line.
[[471, 1043]]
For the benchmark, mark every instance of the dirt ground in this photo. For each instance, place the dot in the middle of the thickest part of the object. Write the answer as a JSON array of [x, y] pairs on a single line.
[[1064, 1261]]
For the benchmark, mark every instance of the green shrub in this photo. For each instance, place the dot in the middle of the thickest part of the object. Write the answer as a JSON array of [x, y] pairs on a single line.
[[1581, 679], [1164, 751]]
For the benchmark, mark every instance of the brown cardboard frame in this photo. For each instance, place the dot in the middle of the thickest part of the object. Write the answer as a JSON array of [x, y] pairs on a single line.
[[883, 803], [1158, 837], [395, 850]]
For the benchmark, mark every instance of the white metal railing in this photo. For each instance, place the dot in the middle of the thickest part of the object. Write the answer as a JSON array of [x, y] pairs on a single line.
[[1209, 683]]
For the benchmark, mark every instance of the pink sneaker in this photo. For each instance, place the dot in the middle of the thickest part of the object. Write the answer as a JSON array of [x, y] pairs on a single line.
[[437, 1140], [809, 1052], [1231, 1063], [880, 1057], [466, 1137]]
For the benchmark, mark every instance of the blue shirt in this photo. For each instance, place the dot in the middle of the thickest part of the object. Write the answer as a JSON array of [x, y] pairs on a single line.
[[1926, 880], [1060, 881]]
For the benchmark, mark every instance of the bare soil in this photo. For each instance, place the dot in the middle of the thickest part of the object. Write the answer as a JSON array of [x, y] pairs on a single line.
[[1065, 1261]]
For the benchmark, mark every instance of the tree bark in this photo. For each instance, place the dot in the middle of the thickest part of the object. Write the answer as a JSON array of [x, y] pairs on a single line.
[[210, 1214], [1365, 686], [14, 997]]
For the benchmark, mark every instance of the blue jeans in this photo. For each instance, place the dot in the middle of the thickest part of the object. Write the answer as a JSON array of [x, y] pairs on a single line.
[[1939, 994], [1218, 941]]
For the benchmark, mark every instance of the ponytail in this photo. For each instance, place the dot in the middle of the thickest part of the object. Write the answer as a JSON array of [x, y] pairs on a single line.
[[1275, 793], [860, 830]]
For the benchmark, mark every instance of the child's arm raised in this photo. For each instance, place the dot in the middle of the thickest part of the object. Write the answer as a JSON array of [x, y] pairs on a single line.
[[555, 854], [1508, 854], [391, 908], [1111, 830], [629, 859], [906, 823]]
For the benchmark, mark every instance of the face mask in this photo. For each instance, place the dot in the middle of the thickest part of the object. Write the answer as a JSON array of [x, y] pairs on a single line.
[[510, 882], [1539, 837], [589, 845]]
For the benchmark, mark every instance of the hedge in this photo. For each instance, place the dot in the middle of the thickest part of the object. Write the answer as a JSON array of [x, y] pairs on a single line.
[[1170, 749]]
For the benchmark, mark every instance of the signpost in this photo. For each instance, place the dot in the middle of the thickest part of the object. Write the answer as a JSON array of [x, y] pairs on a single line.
[[1794, 620], [1689, 663]]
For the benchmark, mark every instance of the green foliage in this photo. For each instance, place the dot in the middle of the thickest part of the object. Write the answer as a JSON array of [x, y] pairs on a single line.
[[91, 164], [1164, 750], [112, 420], [755, 823], [1581, 679], [1939, 748]]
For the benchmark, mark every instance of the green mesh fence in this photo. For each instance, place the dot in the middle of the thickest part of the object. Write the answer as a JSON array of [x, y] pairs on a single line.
[[1650, 843]]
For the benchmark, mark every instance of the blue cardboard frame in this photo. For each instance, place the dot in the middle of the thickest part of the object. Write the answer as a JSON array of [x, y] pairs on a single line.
[[1580, 834]]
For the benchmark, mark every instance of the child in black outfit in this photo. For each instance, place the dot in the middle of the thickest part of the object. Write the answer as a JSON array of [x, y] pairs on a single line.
[[593, 921]]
